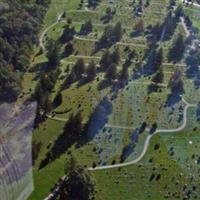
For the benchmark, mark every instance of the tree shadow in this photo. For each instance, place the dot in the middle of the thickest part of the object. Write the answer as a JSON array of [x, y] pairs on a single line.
[[99, 118], [173, 99], [40, 67], [104, 84]]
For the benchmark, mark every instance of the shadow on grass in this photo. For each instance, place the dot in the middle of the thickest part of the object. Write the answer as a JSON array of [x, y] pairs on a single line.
[[96, 122]]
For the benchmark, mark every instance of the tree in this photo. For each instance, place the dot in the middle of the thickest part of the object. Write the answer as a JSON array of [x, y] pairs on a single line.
[[158, 58], [93, 3], [176, 52], [176, 83], [73, 129], [79, 68], [115, 56], [179, 11], [110, 36], [86, 28], [111, 72], [91, 70], [78, 184], [106, 60], [123, 75], [68, 34], [58, 99], [69, 49], [117, 32], [155, 59], [10, 84], [169, 26], [139, 26], [158, 77], [53, 55]]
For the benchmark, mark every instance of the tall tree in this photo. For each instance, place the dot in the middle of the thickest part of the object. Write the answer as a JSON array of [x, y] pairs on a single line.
[[139, 26], [106, 60], [69, 49], [79, 68], [53, 55], [91, 70], [115, 56], [68, 34], [86, 28], [176, 52], [78, 184], [123, 75], [117, 32], [73, 129], [111, 72], [176, 83]]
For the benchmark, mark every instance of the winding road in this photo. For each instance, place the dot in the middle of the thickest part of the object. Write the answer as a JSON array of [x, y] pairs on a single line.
[[146, 145], [41, 44], [148, 139]]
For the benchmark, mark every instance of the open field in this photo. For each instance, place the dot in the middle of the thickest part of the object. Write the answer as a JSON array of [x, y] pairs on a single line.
[[171, 160]]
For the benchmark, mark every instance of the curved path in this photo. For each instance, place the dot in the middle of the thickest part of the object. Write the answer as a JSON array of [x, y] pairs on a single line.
[[146, 144], [148, 139], [41, 44]]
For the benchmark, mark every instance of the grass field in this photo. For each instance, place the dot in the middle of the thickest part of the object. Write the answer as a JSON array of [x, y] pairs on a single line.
[[171, 161]]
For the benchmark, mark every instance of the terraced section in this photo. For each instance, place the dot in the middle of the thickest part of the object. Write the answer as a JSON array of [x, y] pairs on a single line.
[[119, 113]]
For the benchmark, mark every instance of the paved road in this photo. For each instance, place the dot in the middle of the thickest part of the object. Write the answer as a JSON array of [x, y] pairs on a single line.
[[146, 144], [148, 139]]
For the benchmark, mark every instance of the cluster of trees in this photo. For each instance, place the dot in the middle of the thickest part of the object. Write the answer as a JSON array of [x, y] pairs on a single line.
[[73, 132], [169, 26], [108, 15], [80, 70], [177, 49], [20, 22], [157, 68], [68, 34], [44, 88], [139, 26], [77, 184], [108, 64], [47, 82], [93, 3], [176, 83], [86, 28], [110, 36]]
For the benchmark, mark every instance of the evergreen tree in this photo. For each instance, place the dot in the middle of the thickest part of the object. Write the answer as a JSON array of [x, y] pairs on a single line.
[[78, 184], [68, 34], [53, 55], [117, 32], [106, 60], [179, 11], [58, 99], [115, 56], [111, 72], [158, 58], [158, 77], [73, 129], [79, 68], [91, 70], [69, 49], [123, 75], [86, 28], [139, 26], [176, 83], [176, 52]]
